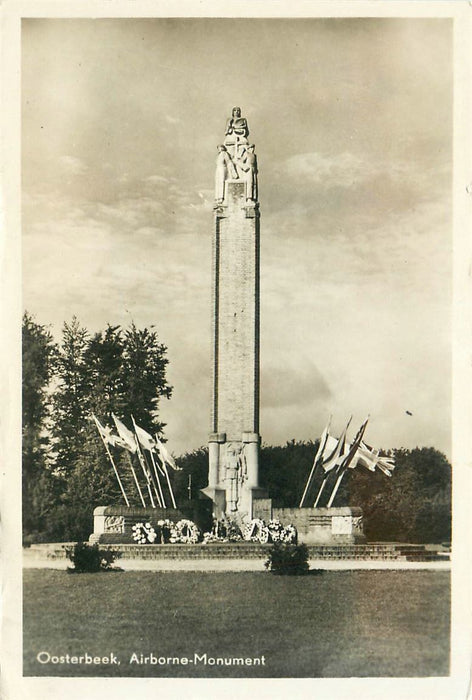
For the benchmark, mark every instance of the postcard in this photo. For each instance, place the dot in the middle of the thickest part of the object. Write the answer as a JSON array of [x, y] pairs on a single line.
[[235, 304]]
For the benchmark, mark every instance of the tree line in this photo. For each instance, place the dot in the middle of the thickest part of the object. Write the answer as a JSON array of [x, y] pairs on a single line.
[[414, 505], [66, 471]]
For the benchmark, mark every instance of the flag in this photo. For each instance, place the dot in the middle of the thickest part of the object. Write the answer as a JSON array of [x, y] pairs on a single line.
[[349, 461], [125, 434], [338, 449], [367, 457], [370, 459], [323, 443], [105, 431], [165, 456], [145, 440], [106, 434]]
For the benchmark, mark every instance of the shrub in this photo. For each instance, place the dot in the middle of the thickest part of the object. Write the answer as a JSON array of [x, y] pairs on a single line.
[[288, 559], [90, 558]]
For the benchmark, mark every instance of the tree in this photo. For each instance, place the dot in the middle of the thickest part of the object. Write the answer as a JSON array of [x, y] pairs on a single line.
[[71, 402], [414, 505], [144, 377], [283, 471], [39, 486], [112, 371]]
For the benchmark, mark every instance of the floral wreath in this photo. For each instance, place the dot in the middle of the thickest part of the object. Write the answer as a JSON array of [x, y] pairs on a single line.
[[143, 533], [164, 530], [185, 531], [289, 534], [276, 530], [256, 531]]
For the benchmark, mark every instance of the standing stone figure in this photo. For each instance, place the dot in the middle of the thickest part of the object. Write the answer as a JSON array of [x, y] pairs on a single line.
[[225, 170], [232, 464], [248, 165]]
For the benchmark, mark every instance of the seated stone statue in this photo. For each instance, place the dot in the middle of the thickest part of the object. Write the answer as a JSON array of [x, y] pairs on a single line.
[[237, 124]]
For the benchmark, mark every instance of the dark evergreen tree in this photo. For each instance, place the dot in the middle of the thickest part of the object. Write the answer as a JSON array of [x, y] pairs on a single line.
[[144, 377], [113, 371], [71, 403], [40, 488]]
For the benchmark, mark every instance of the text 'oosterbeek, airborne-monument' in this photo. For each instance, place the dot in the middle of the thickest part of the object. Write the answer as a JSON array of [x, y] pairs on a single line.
[[233, 482]]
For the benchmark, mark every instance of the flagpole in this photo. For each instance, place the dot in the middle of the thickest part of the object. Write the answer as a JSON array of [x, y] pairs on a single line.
[[323, 484], [319, 454], [113, 463], [158, 490], [336, 486], [147, 471], [146, 475], [161, 449], [160, 501], [309, 480], [170, 486], [158, 480], [136, 479]]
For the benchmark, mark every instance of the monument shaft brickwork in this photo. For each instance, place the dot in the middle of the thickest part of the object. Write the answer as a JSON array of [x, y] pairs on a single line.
[[234, 440]]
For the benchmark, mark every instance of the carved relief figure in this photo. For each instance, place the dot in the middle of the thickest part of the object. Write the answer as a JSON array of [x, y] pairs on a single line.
[[225, 170], [248, 164], [232, 464]]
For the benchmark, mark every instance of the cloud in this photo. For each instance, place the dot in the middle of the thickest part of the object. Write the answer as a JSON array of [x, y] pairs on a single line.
[[72, 165], [157, 180], [291, 386], [170, 119], [337, 170]]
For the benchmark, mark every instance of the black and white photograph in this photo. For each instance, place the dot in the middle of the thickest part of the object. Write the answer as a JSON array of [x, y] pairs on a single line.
[[235, 306]]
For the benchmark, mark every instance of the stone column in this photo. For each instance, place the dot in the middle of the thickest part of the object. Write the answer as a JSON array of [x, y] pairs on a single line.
[[235, 321]]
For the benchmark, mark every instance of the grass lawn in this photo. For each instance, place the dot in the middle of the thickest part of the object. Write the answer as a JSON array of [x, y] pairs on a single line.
[[337, 624]]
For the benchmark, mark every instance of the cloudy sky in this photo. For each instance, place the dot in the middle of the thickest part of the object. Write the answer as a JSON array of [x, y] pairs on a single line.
[[352, 121]]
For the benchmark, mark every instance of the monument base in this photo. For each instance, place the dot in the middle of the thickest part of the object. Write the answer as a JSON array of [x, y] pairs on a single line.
[[114, 524], [249, 510], [324, 525]]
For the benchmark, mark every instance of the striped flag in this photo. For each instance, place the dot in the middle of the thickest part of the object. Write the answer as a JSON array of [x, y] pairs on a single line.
[[370, 458]]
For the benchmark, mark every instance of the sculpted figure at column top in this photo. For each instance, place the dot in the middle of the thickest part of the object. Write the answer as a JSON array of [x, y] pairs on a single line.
[[237, 124], [236, 159]]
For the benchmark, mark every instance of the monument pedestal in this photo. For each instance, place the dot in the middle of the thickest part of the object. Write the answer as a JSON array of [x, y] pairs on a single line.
[[114, 524], [324, 525], [248, 509]]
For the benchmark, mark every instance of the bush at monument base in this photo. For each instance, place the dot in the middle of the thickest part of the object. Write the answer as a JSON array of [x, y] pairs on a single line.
[[90, 558], [288, 559]]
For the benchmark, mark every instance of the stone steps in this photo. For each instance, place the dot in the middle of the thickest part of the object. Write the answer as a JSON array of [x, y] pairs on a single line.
[[250, 550]]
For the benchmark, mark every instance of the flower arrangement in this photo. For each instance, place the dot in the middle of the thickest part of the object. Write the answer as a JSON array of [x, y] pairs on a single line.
[[164, 530], [274, 531], [184, 532], [289, 535], [256, 531], [143, 533], [223, 531]]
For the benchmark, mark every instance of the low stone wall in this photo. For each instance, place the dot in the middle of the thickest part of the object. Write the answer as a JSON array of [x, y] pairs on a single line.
[[324, 525], [113, 524]]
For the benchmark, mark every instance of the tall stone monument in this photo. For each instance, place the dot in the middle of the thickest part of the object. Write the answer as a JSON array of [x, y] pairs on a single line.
[[233, 482]]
